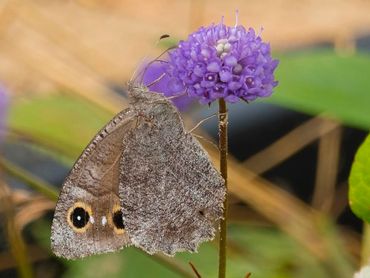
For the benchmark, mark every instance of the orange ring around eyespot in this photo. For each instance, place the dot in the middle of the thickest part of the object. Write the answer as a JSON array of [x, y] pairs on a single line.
[[87, 208], [110, 220]]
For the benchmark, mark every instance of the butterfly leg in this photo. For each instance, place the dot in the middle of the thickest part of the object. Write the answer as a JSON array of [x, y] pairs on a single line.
[[147, 119]]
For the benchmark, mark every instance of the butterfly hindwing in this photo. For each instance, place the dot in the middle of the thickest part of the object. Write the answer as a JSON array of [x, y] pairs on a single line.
[[171, 195]]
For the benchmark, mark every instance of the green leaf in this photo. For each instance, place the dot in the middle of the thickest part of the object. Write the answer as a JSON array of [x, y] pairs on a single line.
[[322, 81], [359, 182]]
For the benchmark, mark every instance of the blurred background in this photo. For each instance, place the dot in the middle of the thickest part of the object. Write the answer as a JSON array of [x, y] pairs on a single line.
[[64, 66]]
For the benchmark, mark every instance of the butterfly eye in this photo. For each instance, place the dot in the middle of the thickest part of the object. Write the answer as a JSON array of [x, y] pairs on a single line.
[[79, 216]]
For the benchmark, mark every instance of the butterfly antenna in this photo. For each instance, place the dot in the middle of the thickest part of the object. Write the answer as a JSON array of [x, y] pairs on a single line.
[[204, 120], [142, 72], [201, 122], [157, 59], [156, 80], [134, 76], [176, 96]]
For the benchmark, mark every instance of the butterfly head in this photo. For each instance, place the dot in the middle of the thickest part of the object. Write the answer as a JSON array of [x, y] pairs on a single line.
[[139, 93]]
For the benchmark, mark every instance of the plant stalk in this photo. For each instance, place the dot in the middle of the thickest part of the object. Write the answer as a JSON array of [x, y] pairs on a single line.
[[223, 146]]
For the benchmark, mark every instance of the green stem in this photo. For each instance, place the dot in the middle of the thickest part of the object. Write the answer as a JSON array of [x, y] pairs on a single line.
[[34, 182], [365, 245], [223, 144]]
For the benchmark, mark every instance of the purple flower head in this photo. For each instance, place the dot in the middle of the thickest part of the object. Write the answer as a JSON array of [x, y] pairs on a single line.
[[3, 111], [223, 62], [156, 75]]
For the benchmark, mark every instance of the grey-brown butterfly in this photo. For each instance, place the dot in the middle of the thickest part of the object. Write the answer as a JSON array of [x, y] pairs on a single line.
[[142, 180]]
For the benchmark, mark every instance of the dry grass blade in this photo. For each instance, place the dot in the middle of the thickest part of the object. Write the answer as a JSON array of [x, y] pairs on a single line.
[[244, 215], [32, 210], [20, 196], [37, 254], [59, 67], [65, 37], [289, 144], [287, 212], [17, 246], [327, 170], [341, 200]]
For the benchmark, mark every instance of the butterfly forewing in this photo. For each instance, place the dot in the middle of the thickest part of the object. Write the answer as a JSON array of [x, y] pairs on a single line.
[[85, 220]]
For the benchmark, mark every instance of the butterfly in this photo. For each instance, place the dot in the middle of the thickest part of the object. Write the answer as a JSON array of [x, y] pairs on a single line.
[[143, 181]]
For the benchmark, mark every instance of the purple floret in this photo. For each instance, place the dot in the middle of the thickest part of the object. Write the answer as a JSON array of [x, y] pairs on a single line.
[[223, 62]]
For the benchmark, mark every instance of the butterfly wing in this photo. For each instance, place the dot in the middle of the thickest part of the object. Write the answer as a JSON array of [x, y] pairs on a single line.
[[171, 195], [88, 218]]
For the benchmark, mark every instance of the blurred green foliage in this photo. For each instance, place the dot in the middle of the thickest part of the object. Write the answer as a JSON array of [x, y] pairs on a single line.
[[321, 81]]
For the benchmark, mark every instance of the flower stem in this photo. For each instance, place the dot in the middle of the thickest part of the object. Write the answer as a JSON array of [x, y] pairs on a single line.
[[222, 143]]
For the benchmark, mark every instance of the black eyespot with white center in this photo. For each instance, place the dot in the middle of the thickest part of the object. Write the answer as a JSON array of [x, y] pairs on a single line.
[[79, 217], [118, 220]]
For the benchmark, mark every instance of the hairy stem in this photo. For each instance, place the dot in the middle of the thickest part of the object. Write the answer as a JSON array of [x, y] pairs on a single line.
[[222, 141]]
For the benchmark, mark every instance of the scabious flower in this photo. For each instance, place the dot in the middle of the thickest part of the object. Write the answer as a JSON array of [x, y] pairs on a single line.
[[155, 74], [222, 62]]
